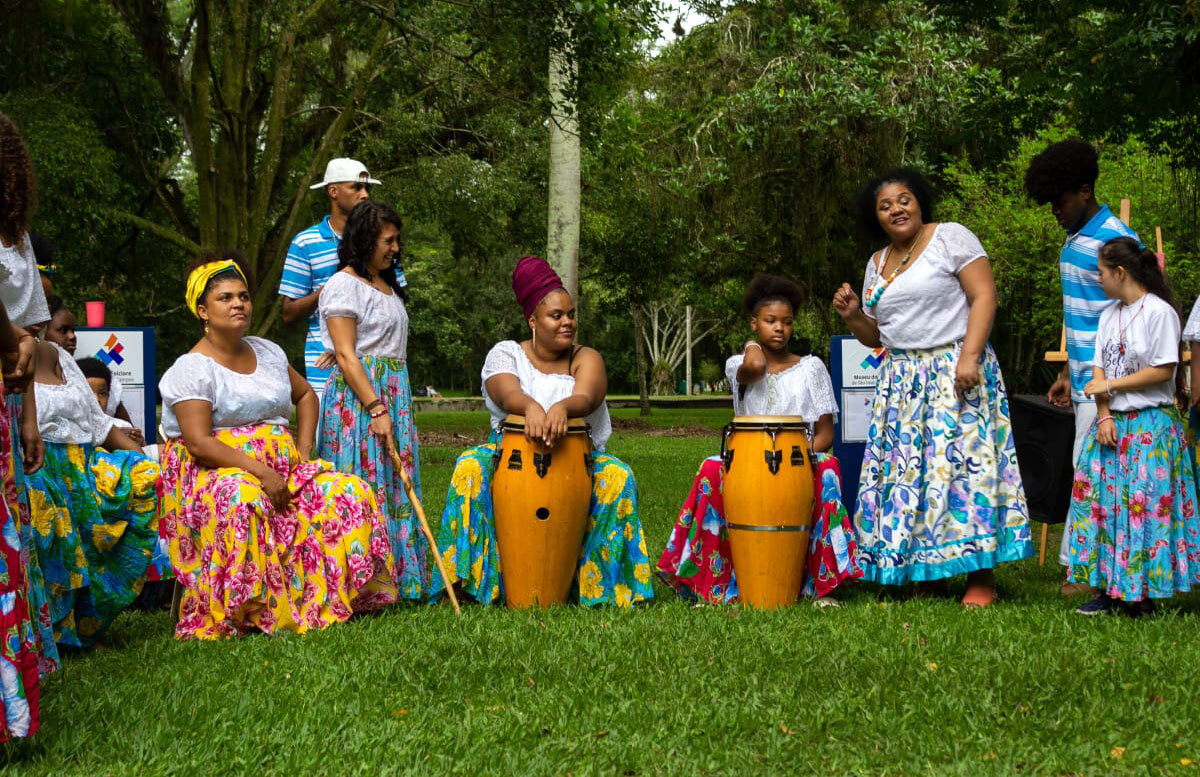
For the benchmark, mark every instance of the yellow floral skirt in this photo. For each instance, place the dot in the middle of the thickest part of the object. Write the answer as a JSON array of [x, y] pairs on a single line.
[[247, 566]]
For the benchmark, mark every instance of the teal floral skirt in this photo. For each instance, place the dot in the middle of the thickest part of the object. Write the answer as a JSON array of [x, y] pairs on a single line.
[[345, 440], [1134, 529], [940, 492], [614, 567], [95, 529]]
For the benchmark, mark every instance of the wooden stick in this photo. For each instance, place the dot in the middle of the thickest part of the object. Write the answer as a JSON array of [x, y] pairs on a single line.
[[1042, 545], [420, 513], [1158, 239], [1126, 206]]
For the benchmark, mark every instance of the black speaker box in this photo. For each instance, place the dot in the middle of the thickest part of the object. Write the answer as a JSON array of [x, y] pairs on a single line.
[[1044, 435]]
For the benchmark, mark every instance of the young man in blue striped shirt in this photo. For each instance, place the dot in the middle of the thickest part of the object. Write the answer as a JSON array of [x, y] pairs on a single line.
[[312, 258], [1064, 176]]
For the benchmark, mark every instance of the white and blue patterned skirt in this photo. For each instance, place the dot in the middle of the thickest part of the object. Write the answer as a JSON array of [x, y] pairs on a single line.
[[940, 492]]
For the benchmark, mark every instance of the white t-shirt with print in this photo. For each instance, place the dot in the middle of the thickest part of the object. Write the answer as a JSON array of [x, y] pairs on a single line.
[[1131, 338]]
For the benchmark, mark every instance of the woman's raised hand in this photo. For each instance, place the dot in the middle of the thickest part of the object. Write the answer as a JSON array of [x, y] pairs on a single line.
[[846, 302]]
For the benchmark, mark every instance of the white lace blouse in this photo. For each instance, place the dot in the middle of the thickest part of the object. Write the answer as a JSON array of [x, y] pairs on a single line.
[[262, 397], [21, 284], [69, 412], [509, 357], [804, 389], [381, 320]]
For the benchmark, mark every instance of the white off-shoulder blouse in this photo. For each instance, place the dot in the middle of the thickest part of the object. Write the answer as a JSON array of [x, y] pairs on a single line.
[[261, 397], [68, 412], [507, 356], [804, 389]]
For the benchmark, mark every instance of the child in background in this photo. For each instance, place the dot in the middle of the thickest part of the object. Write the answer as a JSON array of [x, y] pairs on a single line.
[[1134, 532], [99, 378]]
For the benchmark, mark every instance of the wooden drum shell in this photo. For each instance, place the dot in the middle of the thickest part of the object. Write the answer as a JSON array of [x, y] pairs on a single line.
[[541, 518], [769, 514]]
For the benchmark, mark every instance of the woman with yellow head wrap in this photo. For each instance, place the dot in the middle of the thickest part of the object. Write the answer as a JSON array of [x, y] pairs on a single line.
[[260, 536]]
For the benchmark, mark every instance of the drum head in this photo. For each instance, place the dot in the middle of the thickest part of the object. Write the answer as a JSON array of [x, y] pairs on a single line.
[[516, 423], [758, 422]]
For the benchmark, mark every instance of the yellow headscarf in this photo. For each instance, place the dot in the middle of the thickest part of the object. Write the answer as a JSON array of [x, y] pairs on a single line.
[[200, 278]]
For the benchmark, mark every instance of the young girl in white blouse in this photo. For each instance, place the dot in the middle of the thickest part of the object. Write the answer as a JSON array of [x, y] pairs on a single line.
[[367, 404], [1135, 535], [767, 378]]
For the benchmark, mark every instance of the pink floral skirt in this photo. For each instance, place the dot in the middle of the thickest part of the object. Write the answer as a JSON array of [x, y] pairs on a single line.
[[247, 566]]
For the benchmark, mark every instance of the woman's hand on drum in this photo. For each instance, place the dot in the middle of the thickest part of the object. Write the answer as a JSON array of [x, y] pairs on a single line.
[[275, 487], [846, 302], [966, 373], [545, 425]]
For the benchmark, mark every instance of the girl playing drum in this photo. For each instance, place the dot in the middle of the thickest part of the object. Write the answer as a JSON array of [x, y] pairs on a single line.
[[766, 379]]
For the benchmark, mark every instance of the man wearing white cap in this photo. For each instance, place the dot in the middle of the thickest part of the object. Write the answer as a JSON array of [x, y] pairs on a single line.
[[312, 257]]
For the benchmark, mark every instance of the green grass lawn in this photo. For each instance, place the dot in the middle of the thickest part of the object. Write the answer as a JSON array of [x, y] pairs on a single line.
[[883, 685]]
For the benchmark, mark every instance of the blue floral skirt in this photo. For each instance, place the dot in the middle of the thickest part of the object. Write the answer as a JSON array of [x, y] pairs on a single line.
[[940, 492], [614, 567], [1134, 529], [95, 528], [345, 440]]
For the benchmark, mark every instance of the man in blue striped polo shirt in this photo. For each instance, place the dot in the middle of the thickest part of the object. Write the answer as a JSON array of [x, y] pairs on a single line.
[[312, 258], [1064, 176]]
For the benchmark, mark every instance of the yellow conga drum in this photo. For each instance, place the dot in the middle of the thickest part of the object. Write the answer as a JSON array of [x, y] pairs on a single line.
[[768, 494], [541, 497]]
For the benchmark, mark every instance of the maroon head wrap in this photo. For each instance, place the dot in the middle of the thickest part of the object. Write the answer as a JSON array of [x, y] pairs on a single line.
[[533, 279]]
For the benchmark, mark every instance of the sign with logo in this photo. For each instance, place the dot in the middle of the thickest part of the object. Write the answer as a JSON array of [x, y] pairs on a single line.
[[128, 352], [855, 370]]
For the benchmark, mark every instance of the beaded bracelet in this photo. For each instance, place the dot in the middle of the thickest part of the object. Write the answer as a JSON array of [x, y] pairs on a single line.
[[376, 415], [1105, 418]]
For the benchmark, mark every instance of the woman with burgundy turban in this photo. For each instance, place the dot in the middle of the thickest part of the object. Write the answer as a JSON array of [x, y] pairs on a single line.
[[547, 379]]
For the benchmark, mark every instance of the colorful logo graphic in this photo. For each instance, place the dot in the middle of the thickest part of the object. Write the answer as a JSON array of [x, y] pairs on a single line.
[[874, 359], [110, 352]]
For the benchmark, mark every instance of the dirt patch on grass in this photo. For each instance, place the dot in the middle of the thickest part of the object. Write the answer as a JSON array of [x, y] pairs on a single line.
[[647, 429], [451, 439]]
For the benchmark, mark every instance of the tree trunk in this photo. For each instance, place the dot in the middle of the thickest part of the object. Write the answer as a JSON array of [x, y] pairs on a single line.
[[639, 336], [563, 211]]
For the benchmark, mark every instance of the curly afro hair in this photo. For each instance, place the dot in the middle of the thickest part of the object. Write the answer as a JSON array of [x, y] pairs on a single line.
[[766, 288], [912, 179], [363, 226], [17, 190], [1066, 166]]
